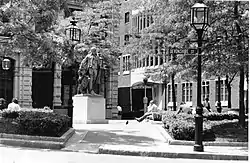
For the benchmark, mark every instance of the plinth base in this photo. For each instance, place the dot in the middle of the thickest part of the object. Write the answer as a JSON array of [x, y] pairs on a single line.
[[88, 109], [198, 148]]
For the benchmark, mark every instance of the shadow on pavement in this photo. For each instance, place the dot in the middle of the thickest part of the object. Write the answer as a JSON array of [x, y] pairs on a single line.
[[117, 137]]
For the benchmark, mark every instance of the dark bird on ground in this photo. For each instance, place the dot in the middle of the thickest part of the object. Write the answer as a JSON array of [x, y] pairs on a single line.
[[126, 122]]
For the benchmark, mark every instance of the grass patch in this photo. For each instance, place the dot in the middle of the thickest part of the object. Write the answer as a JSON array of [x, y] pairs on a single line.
[[229, 131]]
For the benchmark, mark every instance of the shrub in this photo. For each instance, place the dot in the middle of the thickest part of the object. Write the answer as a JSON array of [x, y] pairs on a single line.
[[42, 123], [8, 113], [182, 127]]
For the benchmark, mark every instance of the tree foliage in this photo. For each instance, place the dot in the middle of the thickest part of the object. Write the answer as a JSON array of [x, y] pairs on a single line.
[[37, 29], [30, 26], [98, 22], [172, 26]]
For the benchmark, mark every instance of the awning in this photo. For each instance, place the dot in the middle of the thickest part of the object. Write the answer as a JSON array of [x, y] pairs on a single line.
[[140, 85]]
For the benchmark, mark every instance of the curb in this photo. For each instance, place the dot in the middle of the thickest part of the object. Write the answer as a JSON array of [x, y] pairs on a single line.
[[36, 141], [195, 155], [172, 141]]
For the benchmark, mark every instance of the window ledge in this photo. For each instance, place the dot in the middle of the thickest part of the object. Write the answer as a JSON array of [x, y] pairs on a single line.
[[189, 103], [171, 104], [223, 103], [126, 72]]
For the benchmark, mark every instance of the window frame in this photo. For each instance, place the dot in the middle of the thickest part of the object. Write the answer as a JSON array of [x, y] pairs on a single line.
[[127, 17], [205, 86]]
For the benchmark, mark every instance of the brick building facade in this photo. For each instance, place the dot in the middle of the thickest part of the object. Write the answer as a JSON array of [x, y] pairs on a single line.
[[132, 71]]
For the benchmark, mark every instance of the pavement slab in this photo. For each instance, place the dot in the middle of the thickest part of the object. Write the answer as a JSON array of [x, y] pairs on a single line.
[[142, 139]]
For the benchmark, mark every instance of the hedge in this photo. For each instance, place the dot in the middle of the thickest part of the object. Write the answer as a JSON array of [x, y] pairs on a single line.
[[214, 116], [37, 122]]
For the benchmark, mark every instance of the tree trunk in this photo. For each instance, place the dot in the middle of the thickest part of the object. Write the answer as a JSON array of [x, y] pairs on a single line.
[[241, 84], [228, 85], [219, 95], [173, 93], [241, 99], [247, 93]]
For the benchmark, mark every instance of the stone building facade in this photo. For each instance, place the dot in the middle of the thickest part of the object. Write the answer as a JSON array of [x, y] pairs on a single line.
[[39, 87]]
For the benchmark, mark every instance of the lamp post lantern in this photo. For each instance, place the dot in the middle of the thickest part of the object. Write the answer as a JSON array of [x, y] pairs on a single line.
[[199, 21], [73, 33]]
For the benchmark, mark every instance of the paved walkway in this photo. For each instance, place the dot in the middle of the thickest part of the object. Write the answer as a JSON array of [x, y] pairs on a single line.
[[143, 139], [89, 137]]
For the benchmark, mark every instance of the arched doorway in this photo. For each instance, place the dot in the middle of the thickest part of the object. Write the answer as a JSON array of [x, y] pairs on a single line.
[[7, 80]]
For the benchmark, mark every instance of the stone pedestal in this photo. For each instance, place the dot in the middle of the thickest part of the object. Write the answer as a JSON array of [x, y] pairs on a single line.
[[88, 109]]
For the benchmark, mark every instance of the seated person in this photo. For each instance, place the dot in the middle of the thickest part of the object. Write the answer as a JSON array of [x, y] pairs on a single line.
[[152, 107], [206, 105], [184, 108], [14, 105]]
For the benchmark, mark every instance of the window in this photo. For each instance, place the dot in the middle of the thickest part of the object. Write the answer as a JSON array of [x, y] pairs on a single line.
[[156, 60], [144, 21], [147, 63], [126, 39], [161, 60], [151, 61], [169, 55], [135, 62], [156, 47], [126, 17], [161, 47], [170, 99], [186, 92], [143, 62], [152, 21], [126, 63], [140, 23], [148, 21], [205, 90], [223, 91]]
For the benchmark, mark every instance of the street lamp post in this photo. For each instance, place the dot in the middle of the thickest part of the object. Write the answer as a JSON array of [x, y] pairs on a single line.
[[145, 99], [165, 87], [74, 34], [6, 67], [199, 21], [218, 106]]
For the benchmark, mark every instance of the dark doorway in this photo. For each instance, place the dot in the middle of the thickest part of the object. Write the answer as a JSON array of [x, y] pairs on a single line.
[[42, 87], [6, 80], [124, 99], [137, 99]]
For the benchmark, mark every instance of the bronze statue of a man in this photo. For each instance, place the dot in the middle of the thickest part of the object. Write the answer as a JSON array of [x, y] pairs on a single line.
[[89, 73]]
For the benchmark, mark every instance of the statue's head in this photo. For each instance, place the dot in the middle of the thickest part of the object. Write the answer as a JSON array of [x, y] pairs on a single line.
[[93, 50]]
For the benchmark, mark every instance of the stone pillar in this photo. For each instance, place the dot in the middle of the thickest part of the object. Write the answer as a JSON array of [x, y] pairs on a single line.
[[57, 87], [25, 98], [112, 90], [17, 77]]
